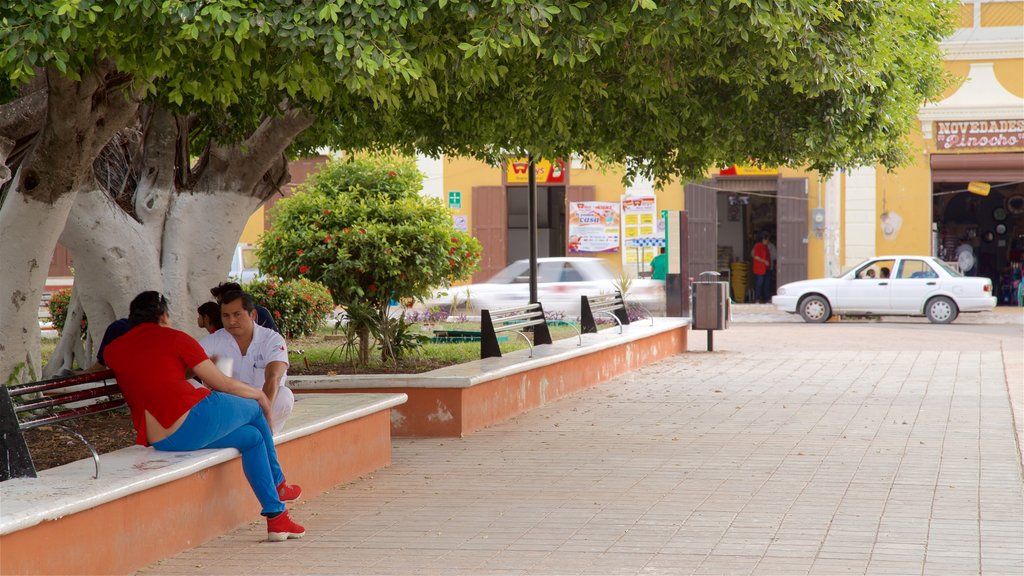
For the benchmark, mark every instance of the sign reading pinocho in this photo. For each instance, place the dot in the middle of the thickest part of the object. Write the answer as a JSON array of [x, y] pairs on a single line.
[[979, 134]]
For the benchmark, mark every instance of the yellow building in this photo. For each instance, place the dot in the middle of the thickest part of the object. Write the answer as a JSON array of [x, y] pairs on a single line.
[[820, 223]]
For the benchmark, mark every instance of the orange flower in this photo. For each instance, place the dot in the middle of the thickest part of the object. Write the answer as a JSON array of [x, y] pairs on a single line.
[[303, 269], [300, 251]]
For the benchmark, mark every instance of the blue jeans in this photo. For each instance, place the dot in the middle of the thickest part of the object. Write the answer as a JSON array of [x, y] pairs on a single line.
[[227, 421], [762, 288]]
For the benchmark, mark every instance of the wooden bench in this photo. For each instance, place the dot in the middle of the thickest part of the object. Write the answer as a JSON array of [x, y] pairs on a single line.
[[46, 404], [519, 319], [608, 304]]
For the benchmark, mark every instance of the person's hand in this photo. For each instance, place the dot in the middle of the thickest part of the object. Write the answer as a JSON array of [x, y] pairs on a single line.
[[264, 405]]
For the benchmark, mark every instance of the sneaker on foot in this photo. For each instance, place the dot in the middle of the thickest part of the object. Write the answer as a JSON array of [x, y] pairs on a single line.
[[281, 528], [288, 492]]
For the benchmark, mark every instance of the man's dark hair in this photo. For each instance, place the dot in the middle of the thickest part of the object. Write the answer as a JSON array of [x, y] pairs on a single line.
[[212, 311], [248, 302], [764, 236], [223, 288], [148, 306]]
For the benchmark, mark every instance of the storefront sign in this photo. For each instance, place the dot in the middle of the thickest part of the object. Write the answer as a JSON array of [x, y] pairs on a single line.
[[593, 227], [736, 170], [547, 172], [979, 134]]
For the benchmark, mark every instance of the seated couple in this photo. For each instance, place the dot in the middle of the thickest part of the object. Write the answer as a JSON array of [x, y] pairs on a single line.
[[152, 363]]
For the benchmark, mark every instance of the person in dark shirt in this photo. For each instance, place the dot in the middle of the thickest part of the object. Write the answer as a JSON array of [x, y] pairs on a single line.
[[263, 316]]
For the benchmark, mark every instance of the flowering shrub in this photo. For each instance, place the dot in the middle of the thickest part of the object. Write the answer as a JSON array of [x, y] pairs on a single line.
[[299, 307], [58, 305], [361, 228]]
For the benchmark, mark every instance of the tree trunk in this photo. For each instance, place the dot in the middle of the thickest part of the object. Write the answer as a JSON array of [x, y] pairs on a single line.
[[81, 118], [178, 241]]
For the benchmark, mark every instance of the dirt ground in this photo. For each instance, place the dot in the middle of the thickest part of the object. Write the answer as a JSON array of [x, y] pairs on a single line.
[[109, 431]]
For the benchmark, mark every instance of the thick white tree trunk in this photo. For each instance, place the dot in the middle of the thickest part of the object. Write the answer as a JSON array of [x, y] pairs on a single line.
[[81, 117], [28, 234], [174, 240], [181, 256]]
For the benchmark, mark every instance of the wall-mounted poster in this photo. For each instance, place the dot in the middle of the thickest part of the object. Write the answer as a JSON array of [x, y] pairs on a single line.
[[593, 227], [642, 229]]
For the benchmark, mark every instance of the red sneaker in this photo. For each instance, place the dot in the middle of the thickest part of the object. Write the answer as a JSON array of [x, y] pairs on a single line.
[[288, 492], [281, 528]]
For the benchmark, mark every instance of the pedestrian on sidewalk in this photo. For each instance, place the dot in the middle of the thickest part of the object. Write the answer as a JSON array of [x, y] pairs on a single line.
[[762, 269]]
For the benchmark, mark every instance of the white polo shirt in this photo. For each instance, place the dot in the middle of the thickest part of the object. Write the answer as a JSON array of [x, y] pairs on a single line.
[[267, 346]]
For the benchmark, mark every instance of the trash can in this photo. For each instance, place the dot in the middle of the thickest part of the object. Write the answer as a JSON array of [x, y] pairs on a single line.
[[710, 305]]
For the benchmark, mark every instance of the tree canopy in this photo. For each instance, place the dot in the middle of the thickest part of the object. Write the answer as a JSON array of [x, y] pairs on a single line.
[[159, 105]]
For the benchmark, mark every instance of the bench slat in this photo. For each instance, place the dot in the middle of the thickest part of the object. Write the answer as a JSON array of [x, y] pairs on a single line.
[[44, 385], [524, 316], [73, 413], [515, 310], [58, 399], [517, 326]]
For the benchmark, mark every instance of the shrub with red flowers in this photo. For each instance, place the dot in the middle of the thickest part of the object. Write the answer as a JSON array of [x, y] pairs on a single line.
[[361, 228], [299, 306], [58, 305]]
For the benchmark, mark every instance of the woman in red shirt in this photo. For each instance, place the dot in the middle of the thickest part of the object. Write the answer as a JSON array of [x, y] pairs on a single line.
[[152, 362]]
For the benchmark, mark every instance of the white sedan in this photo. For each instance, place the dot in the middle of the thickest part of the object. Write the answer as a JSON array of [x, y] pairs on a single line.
[[560, 283], [904, 285]]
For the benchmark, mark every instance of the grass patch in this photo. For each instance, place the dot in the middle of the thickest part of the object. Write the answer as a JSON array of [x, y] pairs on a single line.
[[329, 353]]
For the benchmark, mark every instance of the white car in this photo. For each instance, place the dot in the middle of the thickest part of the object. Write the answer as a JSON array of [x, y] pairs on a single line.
[[560, 283], [885, 285]]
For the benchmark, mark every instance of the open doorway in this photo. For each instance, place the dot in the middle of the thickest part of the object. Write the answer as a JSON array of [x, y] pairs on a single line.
[[550, 222], [992, 225]]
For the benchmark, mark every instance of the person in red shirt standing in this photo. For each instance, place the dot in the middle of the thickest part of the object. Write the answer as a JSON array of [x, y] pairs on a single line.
[[152, 362], [762, 269]]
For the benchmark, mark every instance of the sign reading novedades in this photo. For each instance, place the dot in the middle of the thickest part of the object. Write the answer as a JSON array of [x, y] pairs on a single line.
[[979, 134]]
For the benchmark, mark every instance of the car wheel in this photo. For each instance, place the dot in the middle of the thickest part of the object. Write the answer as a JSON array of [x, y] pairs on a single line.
[[941, 310], [815, 309]]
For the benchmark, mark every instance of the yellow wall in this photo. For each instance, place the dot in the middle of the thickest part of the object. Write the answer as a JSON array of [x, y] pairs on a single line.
[[966, 16], [254, 227], [1002, 14], [905, 196], [1010, 74]]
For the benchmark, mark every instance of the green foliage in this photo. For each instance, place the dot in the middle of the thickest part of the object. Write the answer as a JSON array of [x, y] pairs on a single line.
[[361, 228], [300, 306], [665, 88], [58, 305]]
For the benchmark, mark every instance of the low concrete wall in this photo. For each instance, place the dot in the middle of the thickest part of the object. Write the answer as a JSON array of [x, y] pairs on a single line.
[[458, 400], [149, 505]]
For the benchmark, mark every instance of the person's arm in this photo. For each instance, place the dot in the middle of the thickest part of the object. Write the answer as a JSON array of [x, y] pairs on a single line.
[[215, 379], [272, 375]]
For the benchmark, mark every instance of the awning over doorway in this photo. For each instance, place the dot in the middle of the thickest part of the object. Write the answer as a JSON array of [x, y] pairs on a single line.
[[991, 168]]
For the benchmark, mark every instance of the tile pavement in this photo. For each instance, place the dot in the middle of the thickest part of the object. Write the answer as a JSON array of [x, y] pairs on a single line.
[[861, 448]]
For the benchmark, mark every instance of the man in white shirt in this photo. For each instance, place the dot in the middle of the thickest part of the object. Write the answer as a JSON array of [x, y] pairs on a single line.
[[259, 356]]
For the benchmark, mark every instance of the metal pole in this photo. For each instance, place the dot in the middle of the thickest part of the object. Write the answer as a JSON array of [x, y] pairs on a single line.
[[532, 185]]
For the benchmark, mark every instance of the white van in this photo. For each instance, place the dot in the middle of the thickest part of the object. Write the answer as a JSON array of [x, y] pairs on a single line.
[[245, 264]]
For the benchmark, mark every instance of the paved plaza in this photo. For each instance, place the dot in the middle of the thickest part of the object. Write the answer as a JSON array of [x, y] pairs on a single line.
[[859, 447]]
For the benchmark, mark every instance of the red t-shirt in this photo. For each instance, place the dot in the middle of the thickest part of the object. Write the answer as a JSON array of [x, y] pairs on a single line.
[[761, 251], [150, 363]]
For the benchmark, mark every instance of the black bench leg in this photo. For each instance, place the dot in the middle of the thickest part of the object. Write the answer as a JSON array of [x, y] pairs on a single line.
[[15, 462]]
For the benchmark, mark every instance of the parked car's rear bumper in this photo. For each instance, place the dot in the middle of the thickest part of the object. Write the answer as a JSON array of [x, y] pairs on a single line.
[[982, 304]]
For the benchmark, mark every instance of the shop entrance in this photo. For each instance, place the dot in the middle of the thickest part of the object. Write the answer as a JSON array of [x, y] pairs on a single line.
[[550, 222], [992, 225], [728, 215]]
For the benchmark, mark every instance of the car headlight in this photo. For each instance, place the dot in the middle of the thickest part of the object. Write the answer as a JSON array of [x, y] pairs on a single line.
[[781, 292]]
